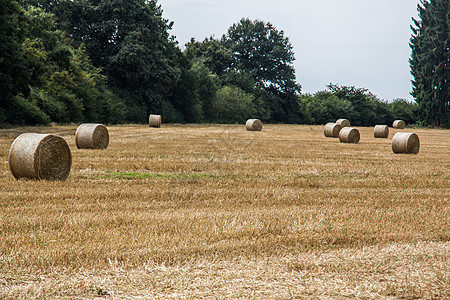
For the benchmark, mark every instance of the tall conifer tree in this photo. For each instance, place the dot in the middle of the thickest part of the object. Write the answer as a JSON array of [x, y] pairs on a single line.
[[430, 62]]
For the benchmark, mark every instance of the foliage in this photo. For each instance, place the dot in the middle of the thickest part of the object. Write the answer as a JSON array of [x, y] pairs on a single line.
[[13, 69], [363, 102], [195, 92], [356, 104], [233, 105], [61, 83], [264, 52], [324, 107], [129, 41], [114, 61], [261, 51], [404, 110], [211, 53], [429, 62]]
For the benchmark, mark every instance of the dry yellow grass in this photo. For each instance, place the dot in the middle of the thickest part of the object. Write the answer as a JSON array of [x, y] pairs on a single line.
[[219, 212]]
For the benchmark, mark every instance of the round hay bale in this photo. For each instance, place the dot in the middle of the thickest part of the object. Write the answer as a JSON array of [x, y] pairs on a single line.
[[405, 142], [381, 131], [253, 125], [349, 135], [154, 121], [332, 130], [399, 124], [92, 136], [343, 122], [40, 156]]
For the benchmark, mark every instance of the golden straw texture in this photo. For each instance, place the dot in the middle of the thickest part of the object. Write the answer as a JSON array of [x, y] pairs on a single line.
[[40, 156], [208, 211], [92, 136], [405, 142], [154, 121], [253, 125], [399, 124], [332, 130], [381, 131], [349, 135], [343, 122]]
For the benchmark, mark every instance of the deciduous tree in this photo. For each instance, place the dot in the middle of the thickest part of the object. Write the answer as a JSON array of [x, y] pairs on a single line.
[[264, 52], [130, 42]]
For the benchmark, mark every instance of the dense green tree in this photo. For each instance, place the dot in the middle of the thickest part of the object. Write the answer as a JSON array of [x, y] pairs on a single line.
[[356, 104], [233, 105], [324, 107], [195, 92], [263, 52], [13, 69], [384, 115], [429, 62], [59, 82], [363, 102], [404, 110], [211, 53], [216, 82], [129, 40]]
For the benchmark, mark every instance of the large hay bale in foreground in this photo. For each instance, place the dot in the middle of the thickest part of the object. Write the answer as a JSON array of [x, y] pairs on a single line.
[[405, 142], [92, 136], [381, 131], [253, 125], [40, 156], [154, 121], [332, 130], [399, 124], [349, 135], [343, 122]]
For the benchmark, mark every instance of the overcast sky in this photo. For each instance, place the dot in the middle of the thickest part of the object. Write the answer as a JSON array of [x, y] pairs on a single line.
[[362, 43]]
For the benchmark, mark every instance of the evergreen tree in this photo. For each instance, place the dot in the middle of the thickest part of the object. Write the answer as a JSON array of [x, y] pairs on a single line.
[[430, 62]]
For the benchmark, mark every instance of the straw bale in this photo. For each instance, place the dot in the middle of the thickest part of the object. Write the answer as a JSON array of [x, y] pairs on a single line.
[[381, 131], [92, 136], [349, 135], [253, 125], [405, 142], [343, 122], [154, 121], [332, 130], [40, 156], [399, 124]]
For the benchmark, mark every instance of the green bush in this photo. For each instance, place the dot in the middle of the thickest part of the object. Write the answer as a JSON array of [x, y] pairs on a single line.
[[324, 107], [233, 105], [24, 112]]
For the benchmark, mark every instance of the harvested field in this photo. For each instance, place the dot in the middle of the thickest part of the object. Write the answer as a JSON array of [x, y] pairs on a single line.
[[215, 211]]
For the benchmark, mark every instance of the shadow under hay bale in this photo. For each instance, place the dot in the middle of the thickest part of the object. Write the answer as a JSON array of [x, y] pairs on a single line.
[[405, 142], [154, 121], [349, 135], [343, 122], [381, 131], [40, 156], [399, 124], [253, 125], [332, 130], [92, 136]]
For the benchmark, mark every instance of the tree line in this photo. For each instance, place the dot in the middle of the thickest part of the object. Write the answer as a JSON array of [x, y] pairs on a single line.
[[114, 61]]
